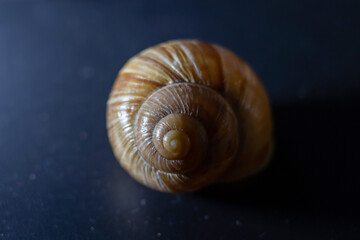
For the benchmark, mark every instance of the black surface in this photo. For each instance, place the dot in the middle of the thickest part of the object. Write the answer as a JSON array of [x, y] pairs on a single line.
[[59, 178]]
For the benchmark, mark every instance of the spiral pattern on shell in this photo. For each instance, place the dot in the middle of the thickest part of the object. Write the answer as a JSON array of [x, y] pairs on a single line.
[[184, 114]]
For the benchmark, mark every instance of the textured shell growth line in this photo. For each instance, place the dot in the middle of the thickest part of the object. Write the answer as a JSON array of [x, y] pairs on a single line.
[[185, 114]]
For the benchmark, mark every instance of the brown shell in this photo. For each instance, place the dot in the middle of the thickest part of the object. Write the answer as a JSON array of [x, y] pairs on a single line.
[[208, 98]]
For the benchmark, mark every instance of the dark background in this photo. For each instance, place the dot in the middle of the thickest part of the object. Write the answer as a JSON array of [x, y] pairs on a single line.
[[59, 178]]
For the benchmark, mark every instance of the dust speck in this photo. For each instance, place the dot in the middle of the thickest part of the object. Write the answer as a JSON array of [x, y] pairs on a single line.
[[32, 176], [177, 200], [44, 117], [143, 202], [83, 135], [92, 220], [170, 222], [135, 210], [86, 72]]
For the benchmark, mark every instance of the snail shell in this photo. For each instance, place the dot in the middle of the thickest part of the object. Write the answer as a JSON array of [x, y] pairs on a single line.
[[185, 114]]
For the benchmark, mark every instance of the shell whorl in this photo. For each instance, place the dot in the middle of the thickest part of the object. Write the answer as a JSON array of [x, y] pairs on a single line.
[[194, 112], [185, 114]]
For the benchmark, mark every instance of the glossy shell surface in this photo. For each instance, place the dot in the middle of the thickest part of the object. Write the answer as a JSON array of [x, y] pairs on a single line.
[[185, 114]]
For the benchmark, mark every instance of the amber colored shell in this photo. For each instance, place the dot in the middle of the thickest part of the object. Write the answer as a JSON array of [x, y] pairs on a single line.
[[185, 114]]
